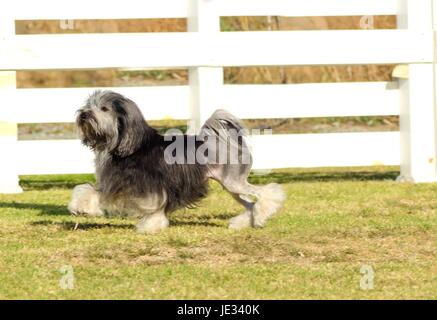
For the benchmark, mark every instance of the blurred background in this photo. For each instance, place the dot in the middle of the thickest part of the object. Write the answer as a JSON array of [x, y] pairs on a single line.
[[234, 75]]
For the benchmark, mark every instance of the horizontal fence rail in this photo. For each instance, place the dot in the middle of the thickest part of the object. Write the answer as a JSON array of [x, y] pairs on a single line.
[[191, 49], [294, 150], [132, 9], [245, 101]]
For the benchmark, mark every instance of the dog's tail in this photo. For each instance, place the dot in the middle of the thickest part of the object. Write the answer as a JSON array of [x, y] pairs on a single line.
[[230, 132], [222, 120]]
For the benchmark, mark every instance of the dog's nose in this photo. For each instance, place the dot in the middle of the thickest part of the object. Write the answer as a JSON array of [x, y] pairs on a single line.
[[84, 115]]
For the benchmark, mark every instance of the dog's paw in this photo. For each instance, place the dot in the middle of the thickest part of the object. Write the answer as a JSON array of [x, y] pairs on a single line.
[[85, 201], [240, 222], [152, 224]]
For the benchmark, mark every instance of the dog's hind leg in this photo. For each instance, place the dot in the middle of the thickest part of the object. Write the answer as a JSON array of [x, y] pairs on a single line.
[[260, 202], [270, 198], [245, 194], [234, 179], [245, 219]]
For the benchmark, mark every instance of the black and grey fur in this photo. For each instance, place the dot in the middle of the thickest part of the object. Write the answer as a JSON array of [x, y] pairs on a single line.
[[135, 180]]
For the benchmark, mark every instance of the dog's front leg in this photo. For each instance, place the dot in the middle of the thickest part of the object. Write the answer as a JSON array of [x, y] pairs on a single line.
[[153, 223], [85, 201]]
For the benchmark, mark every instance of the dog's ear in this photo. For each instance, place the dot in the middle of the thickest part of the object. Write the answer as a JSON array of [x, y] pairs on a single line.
[[132, 128]]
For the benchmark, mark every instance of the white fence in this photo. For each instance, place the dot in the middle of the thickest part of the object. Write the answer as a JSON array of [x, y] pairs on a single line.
[[205, 50]]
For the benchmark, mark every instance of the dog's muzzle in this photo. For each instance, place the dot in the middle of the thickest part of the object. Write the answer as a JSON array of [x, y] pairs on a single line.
[[84, 116]]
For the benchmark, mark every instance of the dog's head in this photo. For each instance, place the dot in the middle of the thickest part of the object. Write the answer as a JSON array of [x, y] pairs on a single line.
[[110, 122]]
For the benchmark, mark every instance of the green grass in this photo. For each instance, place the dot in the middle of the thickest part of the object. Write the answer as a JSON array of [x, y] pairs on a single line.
[[334, 221]]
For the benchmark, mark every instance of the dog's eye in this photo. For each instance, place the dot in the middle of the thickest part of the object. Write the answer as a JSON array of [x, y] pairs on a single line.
[[104, 109]]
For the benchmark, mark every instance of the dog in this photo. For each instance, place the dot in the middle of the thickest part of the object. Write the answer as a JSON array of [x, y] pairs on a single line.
[[139, 176]]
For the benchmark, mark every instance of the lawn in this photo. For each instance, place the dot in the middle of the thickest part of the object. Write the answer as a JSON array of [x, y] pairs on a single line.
[[334, 222]]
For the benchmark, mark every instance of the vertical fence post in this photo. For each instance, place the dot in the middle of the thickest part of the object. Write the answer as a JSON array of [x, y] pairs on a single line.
[[8, 128], [417, 110], [205, 82]]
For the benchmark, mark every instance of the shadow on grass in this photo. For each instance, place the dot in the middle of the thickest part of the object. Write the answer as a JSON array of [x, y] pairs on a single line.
[[329, 176], [284, 176], [57, 210], [204, 223], [70, 225], [45, 209], [64, 181], [209, 220]]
